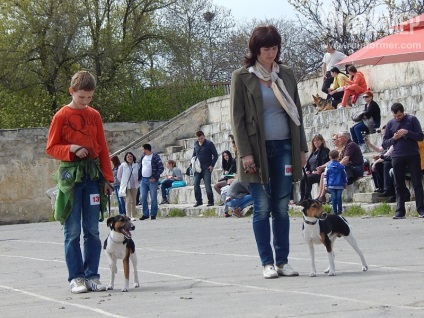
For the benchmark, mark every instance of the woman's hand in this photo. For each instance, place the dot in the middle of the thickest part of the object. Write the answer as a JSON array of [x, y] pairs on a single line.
[[249, 164]]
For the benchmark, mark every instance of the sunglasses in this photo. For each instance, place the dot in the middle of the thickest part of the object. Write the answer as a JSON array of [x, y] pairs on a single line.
[[366, 96]]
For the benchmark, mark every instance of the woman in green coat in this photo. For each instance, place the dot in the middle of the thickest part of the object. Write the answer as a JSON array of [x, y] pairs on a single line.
[[266, 120]]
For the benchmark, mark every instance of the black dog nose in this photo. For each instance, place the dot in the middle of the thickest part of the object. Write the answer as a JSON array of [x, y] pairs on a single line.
[[132, 228]]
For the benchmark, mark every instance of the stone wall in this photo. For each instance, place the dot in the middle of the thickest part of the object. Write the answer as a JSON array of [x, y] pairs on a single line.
[[25, 169]]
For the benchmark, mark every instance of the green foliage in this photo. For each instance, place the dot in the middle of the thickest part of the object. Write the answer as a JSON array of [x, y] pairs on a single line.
[[176, 213], [354, 210], [327, 208], [382, 210], [20, 110]]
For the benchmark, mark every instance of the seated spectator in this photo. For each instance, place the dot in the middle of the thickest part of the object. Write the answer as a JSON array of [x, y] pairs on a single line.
[[237, 197], [335, 92], [380, 169], [229, 168], [321, 188], [351, 158], [318, 156], [371, 118], [172, 174], [355, 86]]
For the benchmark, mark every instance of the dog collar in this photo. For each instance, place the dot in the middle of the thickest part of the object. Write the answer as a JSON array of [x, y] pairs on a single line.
[[309, 222]]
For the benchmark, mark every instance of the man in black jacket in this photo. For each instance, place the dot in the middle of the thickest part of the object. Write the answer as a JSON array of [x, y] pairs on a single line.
[[206, 152], [403, 132]]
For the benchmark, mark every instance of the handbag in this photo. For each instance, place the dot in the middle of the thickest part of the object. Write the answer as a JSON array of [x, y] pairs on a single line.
[[369, 122], [357, 117], [122, 192], [195, 164], [189, 172]]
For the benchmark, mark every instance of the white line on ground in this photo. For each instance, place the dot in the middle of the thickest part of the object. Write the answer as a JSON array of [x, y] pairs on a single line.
[[328, 296], [65, 303]]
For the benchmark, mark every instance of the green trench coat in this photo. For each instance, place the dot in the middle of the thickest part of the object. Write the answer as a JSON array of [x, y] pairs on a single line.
[[246, 107]]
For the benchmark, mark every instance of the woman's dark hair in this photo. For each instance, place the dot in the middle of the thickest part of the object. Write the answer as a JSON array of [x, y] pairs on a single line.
[[226, 164], [317, 137], [352, 68], [116, 162], [263, 36], [129, 153], [335, 70], [397, 107]]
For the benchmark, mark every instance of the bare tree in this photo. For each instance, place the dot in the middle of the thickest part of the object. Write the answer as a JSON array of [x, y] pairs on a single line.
[[348, 24], [195, 34]]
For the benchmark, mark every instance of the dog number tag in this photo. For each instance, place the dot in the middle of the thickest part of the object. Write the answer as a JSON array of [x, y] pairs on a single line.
[[94, 199], [288, 170]]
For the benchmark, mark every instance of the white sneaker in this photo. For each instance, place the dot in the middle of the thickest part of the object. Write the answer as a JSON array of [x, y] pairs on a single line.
[[286, 270], [270, 272], [78, 286], [95, 285]]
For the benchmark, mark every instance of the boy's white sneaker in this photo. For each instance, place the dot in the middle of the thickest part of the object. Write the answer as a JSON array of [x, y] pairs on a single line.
[[78, 286]]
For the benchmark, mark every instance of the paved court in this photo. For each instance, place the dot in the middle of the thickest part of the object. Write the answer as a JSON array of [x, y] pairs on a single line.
[[194, 267]]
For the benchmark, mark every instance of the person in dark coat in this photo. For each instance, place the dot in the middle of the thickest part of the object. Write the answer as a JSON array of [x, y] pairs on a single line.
[[318, 157]]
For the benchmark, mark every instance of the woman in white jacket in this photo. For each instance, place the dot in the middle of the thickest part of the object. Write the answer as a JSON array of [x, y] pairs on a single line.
[[128, 176]]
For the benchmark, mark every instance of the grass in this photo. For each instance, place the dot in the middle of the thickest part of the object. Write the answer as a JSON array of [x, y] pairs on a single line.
[[176, 213], [207, 213]]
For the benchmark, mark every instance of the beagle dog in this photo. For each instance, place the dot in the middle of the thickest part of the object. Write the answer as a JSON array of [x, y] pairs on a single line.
[[119, 245], [318, 227]]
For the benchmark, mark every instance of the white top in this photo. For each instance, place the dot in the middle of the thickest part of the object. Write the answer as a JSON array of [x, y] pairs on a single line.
[[331, 59], [146, 166]]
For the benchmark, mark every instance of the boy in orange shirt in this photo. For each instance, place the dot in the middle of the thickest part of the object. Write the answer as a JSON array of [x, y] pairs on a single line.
[[76, 138]]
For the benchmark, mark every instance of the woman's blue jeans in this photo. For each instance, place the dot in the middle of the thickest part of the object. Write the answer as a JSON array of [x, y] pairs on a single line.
[[85, 211], [272, 199], [121, 201], [241, 203], [165, 185]]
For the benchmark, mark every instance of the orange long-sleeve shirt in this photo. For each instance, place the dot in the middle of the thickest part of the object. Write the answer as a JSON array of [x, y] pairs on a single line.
[[82, 127]]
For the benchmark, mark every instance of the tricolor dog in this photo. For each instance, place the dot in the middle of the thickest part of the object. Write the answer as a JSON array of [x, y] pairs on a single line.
[[119, 245], [318, 227]]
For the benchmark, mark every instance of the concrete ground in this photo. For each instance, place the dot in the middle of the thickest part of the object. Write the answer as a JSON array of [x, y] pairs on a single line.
[[209, 267]]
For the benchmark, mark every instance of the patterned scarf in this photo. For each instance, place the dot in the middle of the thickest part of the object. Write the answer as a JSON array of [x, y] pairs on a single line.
[[278, 88]]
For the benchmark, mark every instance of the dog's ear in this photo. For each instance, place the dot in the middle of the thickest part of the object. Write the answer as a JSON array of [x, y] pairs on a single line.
[[305, 203], [109, 221]]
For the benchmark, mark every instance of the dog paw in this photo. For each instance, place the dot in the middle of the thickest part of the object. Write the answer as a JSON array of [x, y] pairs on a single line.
[[125, 289], [312, 274], [110, 287], [327, 270], [136, 285], [364, 268], [331, 273]]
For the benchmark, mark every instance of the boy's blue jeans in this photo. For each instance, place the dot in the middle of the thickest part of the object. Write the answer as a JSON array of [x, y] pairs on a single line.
[[272, 200], [85, 212], [336, 200]]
